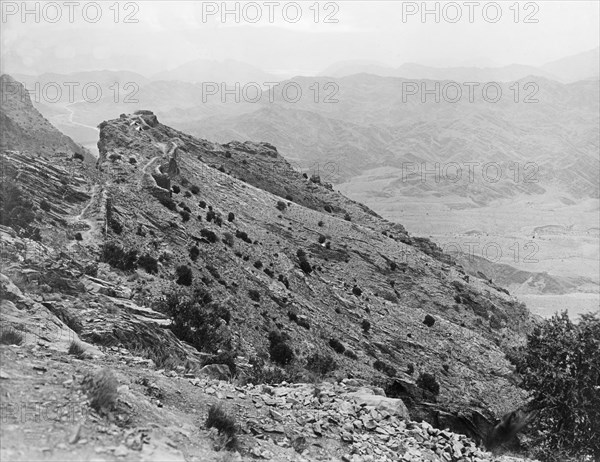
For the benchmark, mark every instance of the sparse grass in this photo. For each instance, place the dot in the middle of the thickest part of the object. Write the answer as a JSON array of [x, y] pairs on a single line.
[[76, 349], [224, 423], [337, 345], [11, 336], [101, 388]]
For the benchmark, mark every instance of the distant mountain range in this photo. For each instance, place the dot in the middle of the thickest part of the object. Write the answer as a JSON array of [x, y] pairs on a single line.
[[582, 66]]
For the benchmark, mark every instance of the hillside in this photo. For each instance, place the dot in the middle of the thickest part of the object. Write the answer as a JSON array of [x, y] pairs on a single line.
[[25, 129], [285, 260]]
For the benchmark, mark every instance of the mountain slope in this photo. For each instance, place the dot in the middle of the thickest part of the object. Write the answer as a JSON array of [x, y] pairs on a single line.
[[25, 129]]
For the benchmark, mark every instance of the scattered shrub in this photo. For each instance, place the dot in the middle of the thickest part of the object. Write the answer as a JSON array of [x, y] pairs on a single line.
[[350, 354], [210, 215], [168, 203], [148, 263], [322, 239], [393, 265], [429, 320], [224, 423], [184, 275], [243, 236], [279, 350], [45, 206], [560, 366], [11, 336], [321, 223], [76, 349], [347, 217], [384, 367], [336, 345], [194, 253], [428, 383], [357, 291], [230, 217], [228, 239], [176, 189], [202, 204], [78, 237], [281, 206], [321, 364], [410, 369], [195, 189], [209, 235], [185, 215], [327, 208], [269, 272], [118, 258], [101, 389], [284, 281], [305, 266], [254, 295], [258, 264], [366, 325]]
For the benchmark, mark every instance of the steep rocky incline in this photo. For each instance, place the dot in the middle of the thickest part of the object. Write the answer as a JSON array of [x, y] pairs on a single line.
[[276, 251], [25, 129]]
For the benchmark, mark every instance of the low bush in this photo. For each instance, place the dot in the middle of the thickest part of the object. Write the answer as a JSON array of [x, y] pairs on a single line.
[[337, 345], [429, 320], [148, 263], [195, 189], [185, 216], [279, 350], [11, 336], [76, 349], [321, 364], [184, 275], [228, 239], [428, 382], [281, 206], [254, 295], [230, 216], [194, 253], [209, 235], [384, 367], [101, 389], [119, 258], [357, 291], [224, 423], [176, 189], [366, 325]]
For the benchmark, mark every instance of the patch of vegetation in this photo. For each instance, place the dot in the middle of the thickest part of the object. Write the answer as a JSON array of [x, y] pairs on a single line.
[[185, 215], [258, 264], [194, 253], [560, 366], [196, 319], [429, 320], [230, 217], [350, 354], [428, 382], [321, 364], [281, 206], [76, 349], [337, 345], [195, 189], [254, 295], [101, 388], [11, 336], [209, 235], [202, 204], [176, 189], [384, 367], [228, 239], [284, 280], [322, 239], [347, 217], [16, 210], [224, 423], [45, 206], [184, 275], [357, 291], [148, 263], [366, 325], [168, 203], [279, 349], [119, 258], [243, 236]]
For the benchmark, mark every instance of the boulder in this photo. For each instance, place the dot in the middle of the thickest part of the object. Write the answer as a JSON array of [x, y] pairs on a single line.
[[394, 406], [216, 371]]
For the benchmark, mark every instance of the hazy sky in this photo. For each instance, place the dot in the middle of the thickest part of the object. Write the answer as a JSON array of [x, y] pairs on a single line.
[[170, 33]]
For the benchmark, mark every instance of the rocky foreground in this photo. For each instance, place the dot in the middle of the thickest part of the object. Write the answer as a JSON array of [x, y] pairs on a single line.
[[160, 414]]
